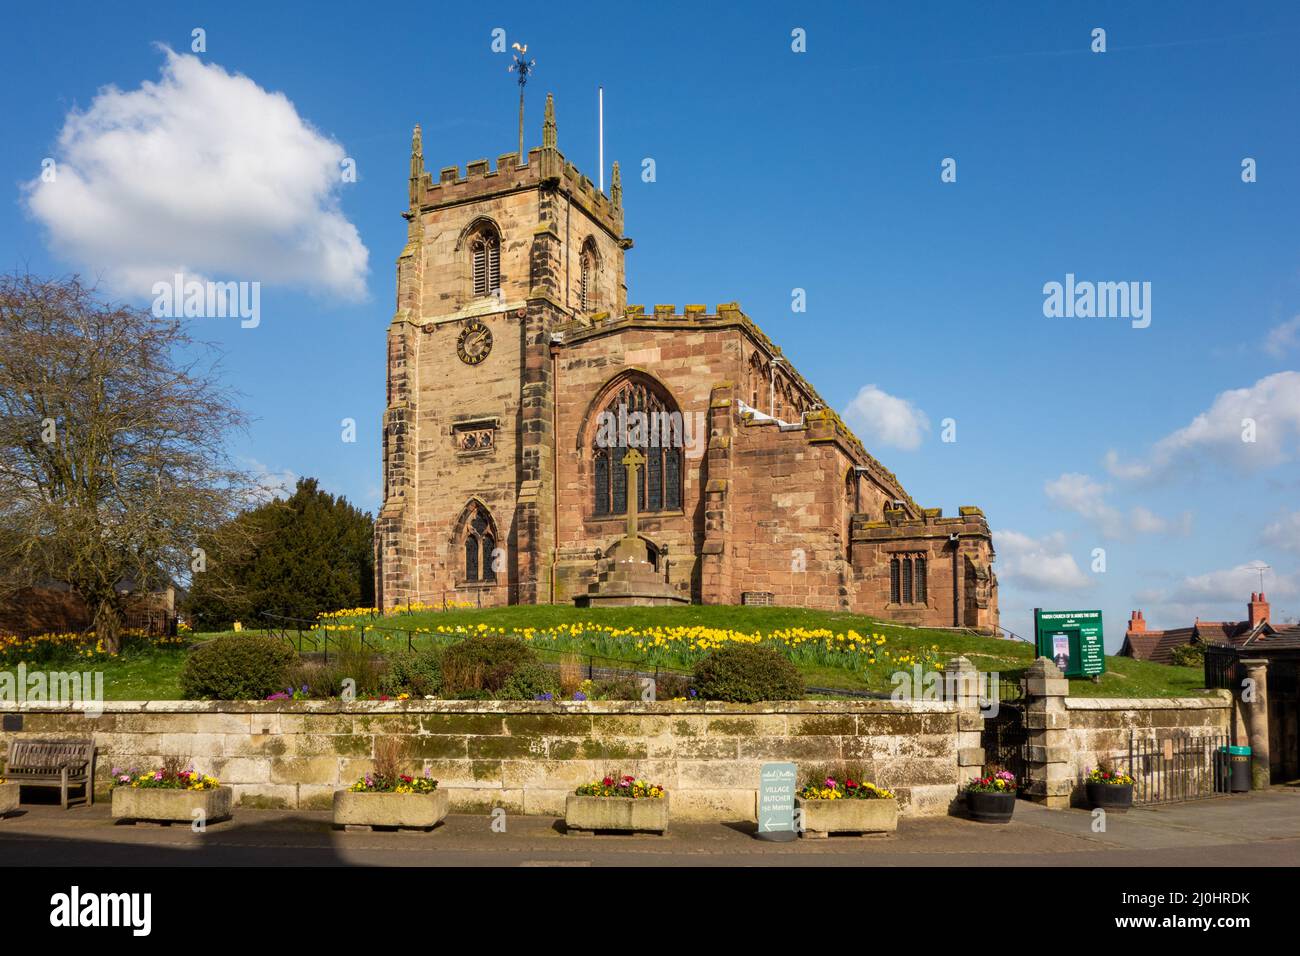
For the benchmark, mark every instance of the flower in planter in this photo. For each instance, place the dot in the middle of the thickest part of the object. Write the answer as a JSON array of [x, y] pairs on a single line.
[[403, 783], [1111, 777], [1000, 782], [164, 779], [848, 789], [622, 786]]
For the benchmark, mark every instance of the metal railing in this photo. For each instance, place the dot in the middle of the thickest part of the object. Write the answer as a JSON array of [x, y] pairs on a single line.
[[1178, 767]]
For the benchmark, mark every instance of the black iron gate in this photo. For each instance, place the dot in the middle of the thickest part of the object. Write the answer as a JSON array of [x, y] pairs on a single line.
[[1178, 767], [1005, 740]]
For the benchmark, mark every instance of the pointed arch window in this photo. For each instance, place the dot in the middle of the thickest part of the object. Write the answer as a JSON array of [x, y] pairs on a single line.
[[588, 280], [756, 383], [639, 416], [485, 261], [479, 546]]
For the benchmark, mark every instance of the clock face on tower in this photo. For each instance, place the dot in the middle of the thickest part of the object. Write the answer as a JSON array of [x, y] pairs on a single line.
[[474, 343]]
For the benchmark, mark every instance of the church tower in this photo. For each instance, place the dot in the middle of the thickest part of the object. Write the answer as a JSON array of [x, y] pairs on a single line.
[[495, 260]]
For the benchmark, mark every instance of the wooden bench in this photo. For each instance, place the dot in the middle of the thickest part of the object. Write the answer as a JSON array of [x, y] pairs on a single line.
[[53, 763]]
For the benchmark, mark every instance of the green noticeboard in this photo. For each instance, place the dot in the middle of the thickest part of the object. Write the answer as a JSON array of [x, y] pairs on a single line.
[[1073, 639]]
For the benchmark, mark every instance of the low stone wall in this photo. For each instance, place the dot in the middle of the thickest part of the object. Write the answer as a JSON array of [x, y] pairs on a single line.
[[1103, 727], [523, 756]]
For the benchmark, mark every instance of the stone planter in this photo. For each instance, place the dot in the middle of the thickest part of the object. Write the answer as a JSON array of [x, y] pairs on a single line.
[[150, 805], [990, 807], [1109, 796], [821, 818], [629, 814], [389, 811], [8, 798]]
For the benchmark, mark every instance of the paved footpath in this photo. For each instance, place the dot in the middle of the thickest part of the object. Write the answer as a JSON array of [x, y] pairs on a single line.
[[1258, 829]]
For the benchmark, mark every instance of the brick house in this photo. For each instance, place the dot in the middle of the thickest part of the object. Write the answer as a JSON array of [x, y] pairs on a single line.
[[1255, 633], [518, 376]]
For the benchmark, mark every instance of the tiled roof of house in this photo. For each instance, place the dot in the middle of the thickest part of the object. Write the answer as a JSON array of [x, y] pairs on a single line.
[[1285, 637], [1155, 646]]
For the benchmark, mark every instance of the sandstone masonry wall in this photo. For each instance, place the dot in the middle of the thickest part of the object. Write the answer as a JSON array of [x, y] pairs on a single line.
[[1103, 727], [523, 756]]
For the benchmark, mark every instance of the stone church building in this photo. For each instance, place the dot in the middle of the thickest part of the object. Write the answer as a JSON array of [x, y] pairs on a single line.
[[518, 377]]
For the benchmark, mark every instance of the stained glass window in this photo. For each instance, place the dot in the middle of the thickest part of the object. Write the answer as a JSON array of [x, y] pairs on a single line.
[[658, 435]]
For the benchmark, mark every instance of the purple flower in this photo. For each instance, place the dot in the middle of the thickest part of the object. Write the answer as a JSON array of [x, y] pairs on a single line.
[[546, 696], [579, 695]]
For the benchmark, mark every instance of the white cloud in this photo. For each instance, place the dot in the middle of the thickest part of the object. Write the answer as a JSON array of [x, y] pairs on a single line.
[[1037, 563], [270, 483], [884, 419], [205, 173], [1220, 594], [1284, 533], [1283, 338], [1216, 435], [1087, 497], [1228, 585]]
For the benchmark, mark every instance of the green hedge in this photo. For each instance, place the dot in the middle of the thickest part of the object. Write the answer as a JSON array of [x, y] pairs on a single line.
[[238, 667], [747, 674]]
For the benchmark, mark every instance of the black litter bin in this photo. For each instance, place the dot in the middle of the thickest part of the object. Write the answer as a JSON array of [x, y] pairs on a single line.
[[1239, 758]]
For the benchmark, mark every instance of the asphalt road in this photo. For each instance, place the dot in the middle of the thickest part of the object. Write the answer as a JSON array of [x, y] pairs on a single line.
[[1259, 829]]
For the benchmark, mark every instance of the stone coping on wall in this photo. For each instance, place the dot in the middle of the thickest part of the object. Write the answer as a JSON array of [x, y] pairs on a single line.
[[861, 706], [1216, 699]]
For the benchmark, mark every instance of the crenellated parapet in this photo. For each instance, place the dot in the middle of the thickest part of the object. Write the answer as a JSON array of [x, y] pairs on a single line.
[[545, 167], [898, 525]]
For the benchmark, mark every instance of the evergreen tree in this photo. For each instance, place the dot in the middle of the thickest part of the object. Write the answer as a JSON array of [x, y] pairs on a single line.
[[296, 557]]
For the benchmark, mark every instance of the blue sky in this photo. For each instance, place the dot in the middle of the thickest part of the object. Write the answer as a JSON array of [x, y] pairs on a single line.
[[775, 170]]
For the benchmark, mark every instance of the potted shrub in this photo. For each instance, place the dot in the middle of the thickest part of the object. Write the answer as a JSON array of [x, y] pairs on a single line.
[[388, 798], [169, 795], [992, 798], [8, 797], [617, 803], [1108, 789], [845, 806]]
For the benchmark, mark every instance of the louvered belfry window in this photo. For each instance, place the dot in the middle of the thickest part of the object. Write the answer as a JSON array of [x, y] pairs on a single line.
[[486, 250], [587, 281], [659, 480]]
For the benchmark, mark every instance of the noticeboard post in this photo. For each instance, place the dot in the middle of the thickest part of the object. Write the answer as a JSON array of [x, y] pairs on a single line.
[[1074, 640], [776, 791]]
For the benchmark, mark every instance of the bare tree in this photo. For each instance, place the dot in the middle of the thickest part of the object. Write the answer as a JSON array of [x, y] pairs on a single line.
[[113, 457]]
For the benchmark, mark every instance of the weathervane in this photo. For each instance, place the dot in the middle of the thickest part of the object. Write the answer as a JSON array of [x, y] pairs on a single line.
[[523, 67]]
